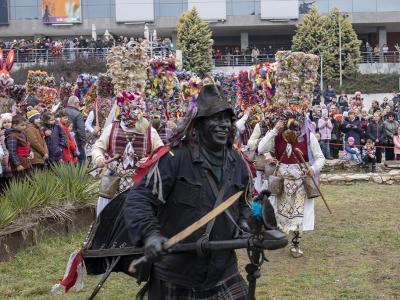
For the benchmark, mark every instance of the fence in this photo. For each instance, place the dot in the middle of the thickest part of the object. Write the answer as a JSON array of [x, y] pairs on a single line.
[[380, 57], [71, 54]]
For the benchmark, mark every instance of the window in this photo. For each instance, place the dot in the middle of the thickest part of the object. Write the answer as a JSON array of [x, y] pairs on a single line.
[[388, 5], [364, 5]]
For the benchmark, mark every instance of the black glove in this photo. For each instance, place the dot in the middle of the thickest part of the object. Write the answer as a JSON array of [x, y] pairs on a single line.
[[153, 247], [244, 225]]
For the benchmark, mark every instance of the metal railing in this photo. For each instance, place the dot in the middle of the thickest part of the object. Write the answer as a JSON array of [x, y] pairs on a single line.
[[380, 57], [32, 56], [39, 56], [242, 60]]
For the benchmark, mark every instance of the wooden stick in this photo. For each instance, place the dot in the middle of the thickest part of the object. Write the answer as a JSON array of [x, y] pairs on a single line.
[[299, 155], [192, 228], [116, 157]]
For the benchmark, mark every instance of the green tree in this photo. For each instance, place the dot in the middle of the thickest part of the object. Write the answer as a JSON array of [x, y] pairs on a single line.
[[321, 33], [194, 40]]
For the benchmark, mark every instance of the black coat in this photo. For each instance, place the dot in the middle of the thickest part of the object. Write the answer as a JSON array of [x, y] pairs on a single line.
[[353, 129], [375, 132], [188, 197], [55, 142]]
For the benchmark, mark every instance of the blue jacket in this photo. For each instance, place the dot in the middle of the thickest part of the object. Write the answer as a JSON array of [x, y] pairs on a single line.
[[55, 142]]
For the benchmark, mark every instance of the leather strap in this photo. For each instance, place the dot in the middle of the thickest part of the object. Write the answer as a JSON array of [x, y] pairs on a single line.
[[219, 194], [216, 193]]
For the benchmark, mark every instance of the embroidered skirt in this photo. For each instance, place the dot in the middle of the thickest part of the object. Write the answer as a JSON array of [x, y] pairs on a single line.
[[294, 212]]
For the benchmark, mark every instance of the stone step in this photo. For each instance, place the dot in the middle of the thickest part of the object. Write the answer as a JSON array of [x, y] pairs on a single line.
[[391, 177]]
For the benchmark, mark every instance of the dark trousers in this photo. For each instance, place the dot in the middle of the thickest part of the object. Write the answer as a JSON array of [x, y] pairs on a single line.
[[371, 162], [4, 183], [389, 153], [378, 154], [335, 150], [82, 155]]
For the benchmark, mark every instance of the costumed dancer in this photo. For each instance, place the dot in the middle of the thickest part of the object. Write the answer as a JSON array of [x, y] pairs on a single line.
[[130, 136], [95, 121], [294, 211], [261, 128], [200, 170]]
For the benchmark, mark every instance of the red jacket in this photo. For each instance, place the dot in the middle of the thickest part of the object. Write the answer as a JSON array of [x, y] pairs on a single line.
[[70, 150]]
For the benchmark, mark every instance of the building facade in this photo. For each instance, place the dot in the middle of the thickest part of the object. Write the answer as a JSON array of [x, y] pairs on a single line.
[[235, 23]]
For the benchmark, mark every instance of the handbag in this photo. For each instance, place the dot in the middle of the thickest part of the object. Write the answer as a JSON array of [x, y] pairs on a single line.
[[311, 189], [109, 186], [275, 183]]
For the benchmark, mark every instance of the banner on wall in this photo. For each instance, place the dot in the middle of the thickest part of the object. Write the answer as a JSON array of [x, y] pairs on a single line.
[[3, 12], [61, 11]]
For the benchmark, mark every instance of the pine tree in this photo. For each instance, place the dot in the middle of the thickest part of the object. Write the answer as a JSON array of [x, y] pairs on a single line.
[[194, 40], [322, 32]]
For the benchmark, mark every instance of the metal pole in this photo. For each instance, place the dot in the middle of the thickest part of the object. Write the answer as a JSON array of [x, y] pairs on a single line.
[[322, 79], [340, 50]]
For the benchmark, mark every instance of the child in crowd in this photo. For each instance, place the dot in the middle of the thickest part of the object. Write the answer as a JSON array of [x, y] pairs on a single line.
[[55, 138], [396, 141], [36, 140], [368, 155], [18, 147], [70, 151], [5, 123], [352, 153]]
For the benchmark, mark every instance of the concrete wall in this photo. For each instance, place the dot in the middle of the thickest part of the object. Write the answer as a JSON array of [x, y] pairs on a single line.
[[379, 68], [363, 22]]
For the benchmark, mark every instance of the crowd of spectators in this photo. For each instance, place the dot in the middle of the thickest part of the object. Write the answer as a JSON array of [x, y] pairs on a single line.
[[365, 134], [47, 48], [237, 56], [380, 53]]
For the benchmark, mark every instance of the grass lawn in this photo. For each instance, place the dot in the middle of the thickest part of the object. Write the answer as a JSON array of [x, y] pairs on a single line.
[[353, 254]]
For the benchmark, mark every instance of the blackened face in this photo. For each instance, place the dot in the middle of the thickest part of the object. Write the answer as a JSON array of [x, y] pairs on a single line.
[[214, 130]]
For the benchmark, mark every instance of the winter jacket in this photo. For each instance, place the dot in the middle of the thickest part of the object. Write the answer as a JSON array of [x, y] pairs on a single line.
[[6, 168], [375, 132], [37, 142], [351, 149], [69, 151], [328, 94], [353, 129], [79, 125], [55, 142], [325, 129], [18, 149], [390, 129]]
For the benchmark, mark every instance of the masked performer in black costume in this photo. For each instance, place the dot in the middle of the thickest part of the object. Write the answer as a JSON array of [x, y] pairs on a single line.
[[181, 187]]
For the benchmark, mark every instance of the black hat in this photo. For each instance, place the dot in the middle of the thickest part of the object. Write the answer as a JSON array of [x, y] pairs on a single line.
[[211, 100]]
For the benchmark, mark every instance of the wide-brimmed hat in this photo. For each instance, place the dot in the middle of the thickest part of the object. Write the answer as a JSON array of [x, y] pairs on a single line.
[[212, 100]]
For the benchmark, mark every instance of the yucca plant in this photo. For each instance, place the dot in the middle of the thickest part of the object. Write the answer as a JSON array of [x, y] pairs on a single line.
[[47, 187], [7, 214], [76, 183], [21, 196]]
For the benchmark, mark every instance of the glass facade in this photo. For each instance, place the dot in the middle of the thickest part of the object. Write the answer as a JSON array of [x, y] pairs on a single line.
[[92, 9], [356, 6]]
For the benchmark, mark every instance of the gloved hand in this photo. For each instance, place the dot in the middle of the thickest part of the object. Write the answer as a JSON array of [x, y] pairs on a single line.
[[244, 225], [153, 247]]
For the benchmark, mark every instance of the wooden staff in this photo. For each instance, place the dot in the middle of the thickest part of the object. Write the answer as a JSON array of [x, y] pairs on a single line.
[[192, 228], [116, 157], [299, 155]]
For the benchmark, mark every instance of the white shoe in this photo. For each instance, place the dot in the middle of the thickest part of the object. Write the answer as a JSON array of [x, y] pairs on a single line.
[[296, 252]]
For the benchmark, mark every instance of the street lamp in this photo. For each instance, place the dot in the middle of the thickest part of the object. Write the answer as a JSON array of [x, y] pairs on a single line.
[[338, 16], [320, 49]]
